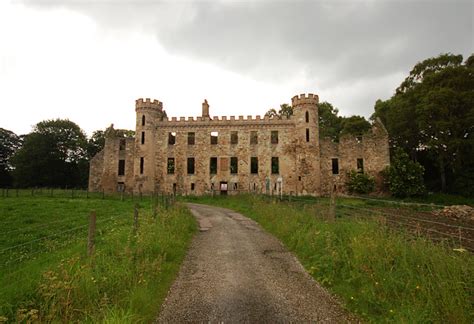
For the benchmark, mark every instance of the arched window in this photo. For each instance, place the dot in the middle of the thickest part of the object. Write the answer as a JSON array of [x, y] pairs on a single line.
[[143, 120], [307, 117]]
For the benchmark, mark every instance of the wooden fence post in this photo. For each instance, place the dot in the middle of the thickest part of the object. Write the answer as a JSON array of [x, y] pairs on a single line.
[[135, 219], [91, 237]]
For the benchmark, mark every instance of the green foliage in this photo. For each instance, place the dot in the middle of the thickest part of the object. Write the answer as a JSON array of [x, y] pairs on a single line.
[[405, 177], [360, 183], [285, 110], [9, 144], [53, 155], [354, 125], [431, 113], [381, 275], [329, 122], [52, 280]]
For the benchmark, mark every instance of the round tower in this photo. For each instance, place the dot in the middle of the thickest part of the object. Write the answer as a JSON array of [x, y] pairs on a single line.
[[305, 111], [308, 166], [148, 113]]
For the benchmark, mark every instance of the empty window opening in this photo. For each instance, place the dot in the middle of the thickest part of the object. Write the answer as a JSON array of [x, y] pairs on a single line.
[[191, 165], [335, 166], [191, 138], [307, 134], [254, 186], [275, 165], [253, 137], [212, 186], [142, 164], [143, 137], [299, 178], [214, 137], [120, 186], [143, 120], [172, 138], [235, 186], [254, 165], [307, 116], [234, 165], [122, 144], [234, 137], [174, 188], [274, 137], [213, 165], [192, 186], [360, 165], [170, 166], [121, 168], [275, 187]]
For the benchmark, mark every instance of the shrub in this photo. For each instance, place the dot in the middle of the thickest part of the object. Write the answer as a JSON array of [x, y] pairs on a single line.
[[405, 177], [360, 183]]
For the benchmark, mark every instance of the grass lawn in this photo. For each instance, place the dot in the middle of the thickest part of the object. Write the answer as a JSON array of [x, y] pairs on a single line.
[[45, 273], [382, 275]]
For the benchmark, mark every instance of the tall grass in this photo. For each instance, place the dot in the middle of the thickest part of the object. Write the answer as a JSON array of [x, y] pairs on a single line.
[[380, 275], [125, 280]]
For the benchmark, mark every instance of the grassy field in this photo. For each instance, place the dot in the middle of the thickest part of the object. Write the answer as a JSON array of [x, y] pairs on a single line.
[[45, 274], [381, 274]]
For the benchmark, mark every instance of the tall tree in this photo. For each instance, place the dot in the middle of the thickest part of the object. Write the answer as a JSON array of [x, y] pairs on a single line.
[[329, 121], [9, 144], [53, 154], [432, 112]]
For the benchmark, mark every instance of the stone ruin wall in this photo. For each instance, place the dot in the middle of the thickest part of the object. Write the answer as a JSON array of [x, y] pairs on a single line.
[[304, 166], [372, 147]]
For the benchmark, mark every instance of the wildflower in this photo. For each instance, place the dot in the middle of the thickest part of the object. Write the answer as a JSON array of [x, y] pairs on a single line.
[[417, 287]]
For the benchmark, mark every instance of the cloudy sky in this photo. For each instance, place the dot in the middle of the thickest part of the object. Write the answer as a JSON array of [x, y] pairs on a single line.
[[88, 60]]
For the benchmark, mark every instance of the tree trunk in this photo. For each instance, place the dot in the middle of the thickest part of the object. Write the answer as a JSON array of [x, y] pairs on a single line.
[[442, 172]]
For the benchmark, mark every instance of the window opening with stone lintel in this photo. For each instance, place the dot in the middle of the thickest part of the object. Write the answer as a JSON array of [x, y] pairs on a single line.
[[214, 138], [170, 166], [171, 138], [213, 165], [254, 165], [190, 165], [274, 137]]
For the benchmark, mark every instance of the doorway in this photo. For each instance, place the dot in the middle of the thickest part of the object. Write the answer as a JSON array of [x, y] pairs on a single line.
[[223, 188]]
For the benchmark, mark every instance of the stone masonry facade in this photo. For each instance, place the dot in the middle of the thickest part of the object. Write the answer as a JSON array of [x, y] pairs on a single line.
[[229, 155]]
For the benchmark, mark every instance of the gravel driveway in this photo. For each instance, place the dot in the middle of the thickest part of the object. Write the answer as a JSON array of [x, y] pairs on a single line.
[[236, 272]]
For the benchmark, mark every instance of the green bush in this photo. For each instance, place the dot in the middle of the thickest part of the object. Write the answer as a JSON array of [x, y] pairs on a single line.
[[360, 183], [405, 177]]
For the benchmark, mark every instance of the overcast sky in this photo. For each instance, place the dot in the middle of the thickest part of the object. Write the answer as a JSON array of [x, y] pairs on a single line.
[[88, 60]]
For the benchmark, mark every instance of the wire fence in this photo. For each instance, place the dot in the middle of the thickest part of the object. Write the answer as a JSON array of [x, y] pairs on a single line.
[[400, 215]]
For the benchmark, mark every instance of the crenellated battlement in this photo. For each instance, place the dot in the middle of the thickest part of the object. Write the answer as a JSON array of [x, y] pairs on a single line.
[[223, 120], [303, 99], [147, 103]]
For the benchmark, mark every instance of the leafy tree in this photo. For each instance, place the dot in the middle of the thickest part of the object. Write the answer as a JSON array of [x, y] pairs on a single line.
[[285, 110], [329, 121], [53, 154], [9, 144], [360, 183], [354, 125], [432, 114], [405, 177]]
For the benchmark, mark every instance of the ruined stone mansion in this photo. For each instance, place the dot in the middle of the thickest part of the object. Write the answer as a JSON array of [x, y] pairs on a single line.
[[229, 155]]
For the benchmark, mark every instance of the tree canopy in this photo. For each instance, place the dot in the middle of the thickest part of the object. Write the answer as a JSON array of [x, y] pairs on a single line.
[[431, 116], [9, 144], [54, 154]]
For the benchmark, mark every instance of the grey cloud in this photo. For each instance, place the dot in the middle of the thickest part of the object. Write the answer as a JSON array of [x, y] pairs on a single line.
[[337, 42]]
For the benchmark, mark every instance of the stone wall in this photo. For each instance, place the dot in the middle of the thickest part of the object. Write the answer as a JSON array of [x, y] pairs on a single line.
[[304, 159]]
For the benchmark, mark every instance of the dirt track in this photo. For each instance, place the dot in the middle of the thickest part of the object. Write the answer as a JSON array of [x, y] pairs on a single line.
[[236, 272]]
